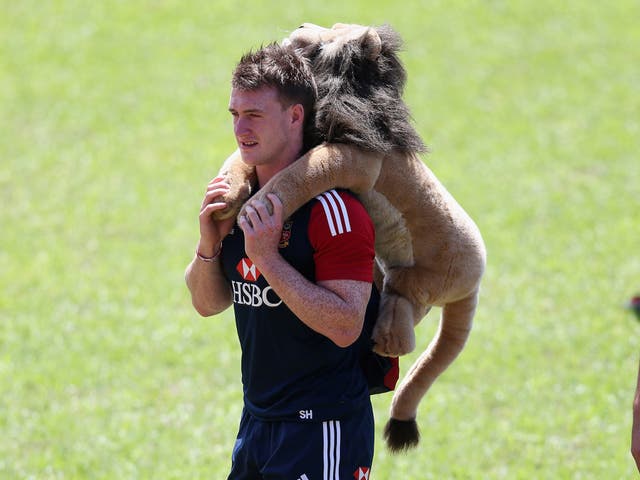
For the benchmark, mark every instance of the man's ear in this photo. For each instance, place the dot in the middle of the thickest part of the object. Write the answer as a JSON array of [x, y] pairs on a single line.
[[297, 113]]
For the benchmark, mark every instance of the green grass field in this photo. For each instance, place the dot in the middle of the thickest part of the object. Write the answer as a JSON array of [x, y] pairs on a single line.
[[113, 119]]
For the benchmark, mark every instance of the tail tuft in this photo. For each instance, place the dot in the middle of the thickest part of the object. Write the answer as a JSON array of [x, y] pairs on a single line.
[[401, 435]]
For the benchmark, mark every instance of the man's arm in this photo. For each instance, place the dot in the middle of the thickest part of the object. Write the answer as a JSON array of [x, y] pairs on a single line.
[[210, 290], [333, 308], [635, 429]]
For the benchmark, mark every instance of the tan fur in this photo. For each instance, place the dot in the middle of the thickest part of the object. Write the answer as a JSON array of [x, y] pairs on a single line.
[[428, 250]]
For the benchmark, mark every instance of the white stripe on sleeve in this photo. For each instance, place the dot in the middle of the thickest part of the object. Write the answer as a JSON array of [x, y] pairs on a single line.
[[335, 212]]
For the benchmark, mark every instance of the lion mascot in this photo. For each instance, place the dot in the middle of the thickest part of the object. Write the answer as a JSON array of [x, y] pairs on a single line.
[[428, 250]]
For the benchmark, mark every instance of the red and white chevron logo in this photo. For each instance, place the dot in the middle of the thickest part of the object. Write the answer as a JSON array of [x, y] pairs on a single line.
[[248, 270], [362, 473]]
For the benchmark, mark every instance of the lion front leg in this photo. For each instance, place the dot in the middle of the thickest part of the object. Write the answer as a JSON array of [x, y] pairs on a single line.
[[324, 167]]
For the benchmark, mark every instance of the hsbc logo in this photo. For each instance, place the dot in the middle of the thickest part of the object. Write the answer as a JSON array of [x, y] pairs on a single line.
[[248, 270], [362, 473], [250, 294]]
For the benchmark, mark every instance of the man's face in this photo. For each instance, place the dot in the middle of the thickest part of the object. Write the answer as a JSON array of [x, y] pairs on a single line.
[[262, 126]]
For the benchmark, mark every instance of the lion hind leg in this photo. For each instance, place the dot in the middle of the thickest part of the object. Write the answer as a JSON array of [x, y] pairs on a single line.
[[455, 325]]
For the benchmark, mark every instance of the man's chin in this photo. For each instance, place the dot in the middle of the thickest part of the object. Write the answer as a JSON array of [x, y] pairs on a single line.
[[249, 158]]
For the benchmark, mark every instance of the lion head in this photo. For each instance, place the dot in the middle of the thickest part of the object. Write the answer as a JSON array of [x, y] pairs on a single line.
[[360, 83]]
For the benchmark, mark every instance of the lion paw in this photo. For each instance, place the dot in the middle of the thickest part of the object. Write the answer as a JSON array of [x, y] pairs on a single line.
[[392, 344], [393, 333]]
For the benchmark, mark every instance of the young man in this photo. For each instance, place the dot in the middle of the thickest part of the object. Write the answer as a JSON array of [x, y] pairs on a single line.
[[635, 427], [301, 290]]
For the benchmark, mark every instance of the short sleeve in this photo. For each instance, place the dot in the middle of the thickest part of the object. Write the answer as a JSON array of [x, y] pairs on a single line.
[[343, 238]]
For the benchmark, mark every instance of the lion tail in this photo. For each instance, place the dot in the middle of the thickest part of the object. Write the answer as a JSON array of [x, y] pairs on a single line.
[[401, 432]]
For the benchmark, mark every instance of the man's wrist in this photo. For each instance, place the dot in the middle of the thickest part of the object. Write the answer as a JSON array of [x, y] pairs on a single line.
[[211, 258]]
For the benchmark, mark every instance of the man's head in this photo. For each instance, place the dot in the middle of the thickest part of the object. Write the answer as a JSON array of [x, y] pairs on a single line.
[[278, 67], [272, 98]]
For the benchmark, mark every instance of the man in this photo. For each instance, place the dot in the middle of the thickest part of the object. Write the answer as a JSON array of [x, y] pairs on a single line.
[[301, 290], [635, 428]]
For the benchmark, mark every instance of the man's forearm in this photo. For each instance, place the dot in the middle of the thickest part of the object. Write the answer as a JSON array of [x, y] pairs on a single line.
[[334, 308], [635, 427], [210, 291], [636, 403]]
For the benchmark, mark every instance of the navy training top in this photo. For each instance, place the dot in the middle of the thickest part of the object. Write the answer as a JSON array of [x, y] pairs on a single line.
[[289, 371]]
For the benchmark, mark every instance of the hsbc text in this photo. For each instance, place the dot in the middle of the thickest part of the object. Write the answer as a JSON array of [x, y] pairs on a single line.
[[252, 295]]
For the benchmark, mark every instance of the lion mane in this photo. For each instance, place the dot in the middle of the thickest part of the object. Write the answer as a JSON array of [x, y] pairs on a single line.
[[360, 95]]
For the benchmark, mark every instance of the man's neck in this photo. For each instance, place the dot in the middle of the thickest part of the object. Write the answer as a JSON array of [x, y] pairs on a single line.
[[266, 172]]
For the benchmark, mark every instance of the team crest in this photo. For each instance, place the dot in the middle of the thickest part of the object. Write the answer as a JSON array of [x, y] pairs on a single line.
[[362, 473], [286, 234]]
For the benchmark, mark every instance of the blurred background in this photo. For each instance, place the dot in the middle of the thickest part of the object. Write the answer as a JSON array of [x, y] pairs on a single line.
[[113, 118]]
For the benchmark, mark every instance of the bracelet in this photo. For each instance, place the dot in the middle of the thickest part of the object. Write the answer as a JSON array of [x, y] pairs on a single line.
[[212, 259]]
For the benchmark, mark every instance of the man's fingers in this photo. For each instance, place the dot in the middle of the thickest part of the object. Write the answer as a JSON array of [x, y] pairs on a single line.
[[214, 193], [252, 217], [245, 225], [208, 208], [258, 218], [262, 211], [275, 200], [277, 206], [218, 179], [217, 187]]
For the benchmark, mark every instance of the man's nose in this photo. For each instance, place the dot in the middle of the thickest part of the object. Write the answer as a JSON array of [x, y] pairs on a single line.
[[240, 126]]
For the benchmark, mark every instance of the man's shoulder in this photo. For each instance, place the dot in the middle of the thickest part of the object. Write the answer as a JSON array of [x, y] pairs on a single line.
[[340, 199], [348, 195], [341, 209]]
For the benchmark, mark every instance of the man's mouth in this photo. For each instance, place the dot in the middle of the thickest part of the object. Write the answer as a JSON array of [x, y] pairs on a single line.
[[248, 144]]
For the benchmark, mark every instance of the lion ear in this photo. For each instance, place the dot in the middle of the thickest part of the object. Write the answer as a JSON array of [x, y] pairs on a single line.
[[371, 44]]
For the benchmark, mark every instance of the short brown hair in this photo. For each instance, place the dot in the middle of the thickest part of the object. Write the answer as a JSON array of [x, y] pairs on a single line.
[[282, 68]]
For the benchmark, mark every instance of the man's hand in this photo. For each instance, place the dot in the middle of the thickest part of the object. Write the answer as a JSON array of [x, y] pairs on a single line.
[[635, 427], [635, 446], [262, 231], [212, 232], [210, 291]]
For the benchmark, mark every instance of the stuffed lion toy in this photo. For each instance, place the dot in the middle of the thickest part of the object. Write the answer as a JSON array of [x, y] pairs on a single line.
[[428, 250]]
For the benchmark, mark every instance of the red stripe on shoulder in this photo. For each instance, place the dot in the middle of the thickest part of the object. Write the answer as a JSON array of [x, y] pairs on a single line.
[[342, 235]]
